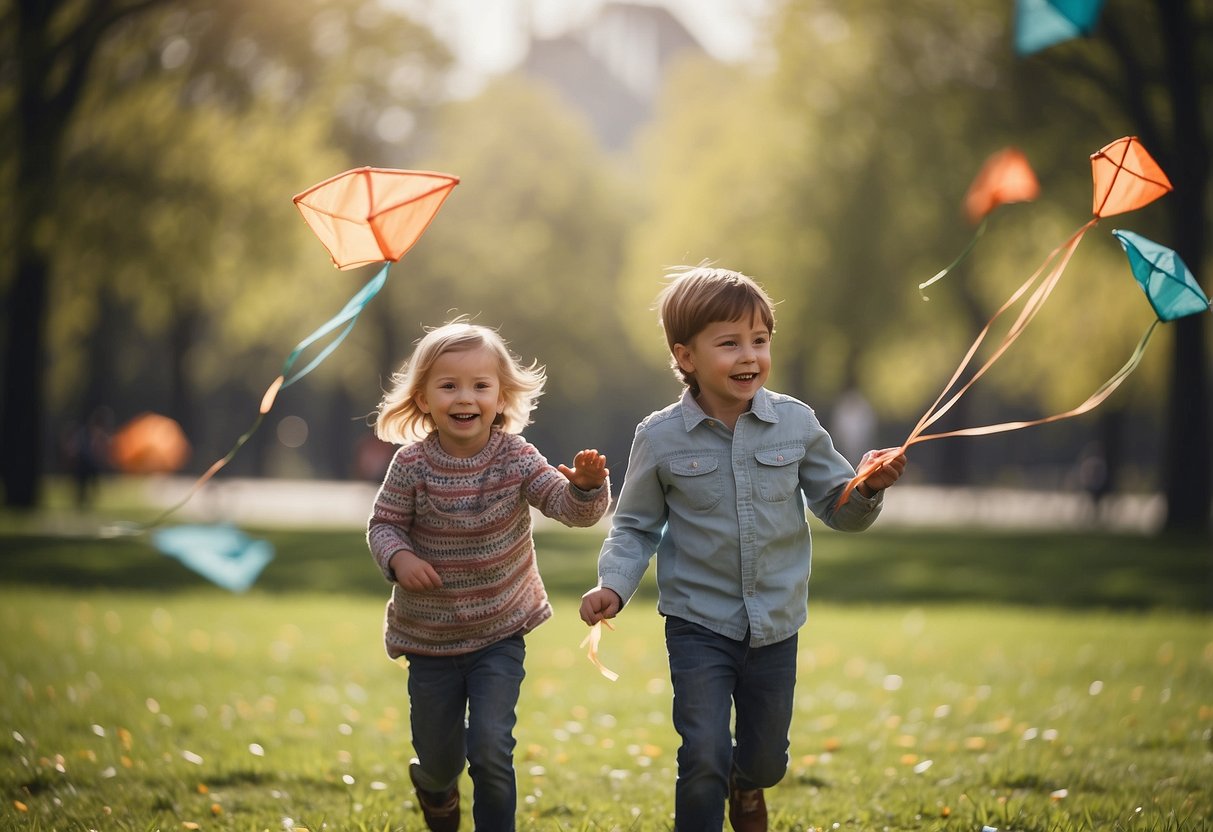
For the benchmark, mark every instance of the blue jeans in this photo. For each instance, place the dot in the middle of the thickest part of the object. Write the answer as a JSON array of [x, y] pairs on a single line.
[[712, 675], [483, 686]]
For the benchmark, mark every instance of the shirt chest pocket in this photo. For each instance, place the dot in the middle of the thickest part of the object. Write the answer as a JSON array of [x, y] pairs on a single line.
[[697, 481], [778, 473]]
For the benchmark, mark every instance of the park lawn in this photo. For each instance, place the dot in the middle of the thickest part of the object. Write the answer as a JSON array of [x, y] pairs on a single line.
[[196, 709], [950, 679]]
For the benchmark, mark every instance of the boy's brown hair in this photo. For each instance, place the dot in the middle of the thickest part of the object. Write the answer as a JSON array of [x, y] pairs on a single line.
[[698, 296]]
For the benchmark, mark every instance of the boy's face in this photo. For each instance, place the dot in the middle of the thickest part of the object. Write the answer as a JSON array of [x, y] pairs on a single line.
[[730, 361]]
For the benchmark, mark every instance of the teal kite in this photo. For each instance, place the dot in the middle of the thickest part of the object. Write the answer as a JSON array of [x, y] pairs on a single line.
[[221, 553], [1164, 277], [1040, 24]]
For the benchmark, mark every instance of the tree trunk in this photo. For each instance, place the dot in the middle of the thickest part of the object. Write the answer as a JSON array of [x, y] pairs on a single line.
[[1188, 466], [21, 428]]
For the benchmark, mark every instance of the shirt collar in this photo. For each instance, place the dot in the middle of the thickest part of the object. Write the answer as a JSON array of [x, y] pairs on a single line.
[[761, 406]]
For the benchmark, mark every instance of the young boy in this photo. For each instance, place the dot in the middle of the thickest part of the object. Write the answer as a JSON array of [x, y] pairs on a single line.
[[717, 485]]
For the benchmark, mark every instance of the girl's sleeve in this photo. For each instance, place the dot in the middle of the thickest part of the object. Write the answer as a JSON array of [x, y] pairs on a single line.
[[392, 516], [640, 515], [556, 497]]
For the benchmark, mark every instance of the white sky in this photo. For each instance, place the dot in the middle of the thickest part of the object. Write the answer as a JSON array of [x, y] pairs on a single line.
[[489, 36]]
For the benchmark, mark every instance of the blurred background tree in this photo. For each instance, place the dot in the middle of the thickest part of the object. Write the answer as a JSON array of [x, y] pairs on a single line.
[[150, 161], [154, 247]]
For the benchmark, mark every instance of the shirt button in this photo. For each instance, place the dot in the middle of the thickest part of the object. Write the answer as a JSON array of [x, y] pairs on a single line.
[[694, 464], [779, 458]]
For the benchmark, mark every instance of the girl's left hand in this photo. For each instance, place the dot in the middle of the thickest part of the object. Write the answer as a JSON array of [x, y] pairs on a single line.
[[589, 470]]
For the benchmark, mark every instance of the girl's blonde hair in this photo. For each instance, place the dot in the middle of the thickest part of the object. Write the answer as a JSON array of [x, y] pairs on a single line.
[[398, 418], [697, 296]]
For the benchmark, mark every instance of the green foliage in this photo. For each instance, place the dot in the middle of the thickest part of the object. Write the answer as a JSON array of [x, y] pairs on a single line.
[[529, 243], [177, 253], [202, 206], [831, 168]]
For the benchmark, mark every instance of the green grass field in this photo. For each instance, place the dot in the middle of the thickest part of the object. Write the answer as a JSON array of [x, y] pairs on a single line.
[[949, 681]]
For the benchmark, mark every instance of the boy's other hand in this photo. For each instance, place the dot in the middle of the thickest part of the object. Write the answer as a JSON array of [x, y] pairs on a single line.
[[600, 603], [589, 470]]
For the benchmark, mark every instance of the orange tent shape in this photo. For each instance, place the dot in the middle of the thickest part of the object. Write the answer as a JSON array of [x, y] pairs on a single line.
[[1125, 177], [1005, 177], [149, 444], [369, 215]]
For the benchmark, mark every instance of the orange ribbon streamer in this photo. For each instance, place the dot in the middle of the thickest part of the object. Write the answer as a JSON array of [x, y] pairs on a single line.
[[592, 639]]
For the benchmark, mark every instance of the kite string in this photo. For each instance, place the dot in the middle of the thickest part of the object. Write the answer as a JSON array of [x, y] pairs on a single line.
[[348, 316], [1060, 258], [1094, 400], [942, 273], [1031, 307]]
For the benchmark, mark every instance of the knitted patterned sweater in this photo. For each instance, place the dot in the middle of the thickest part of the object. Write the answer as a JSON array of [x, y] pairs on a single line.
[[470, 519]]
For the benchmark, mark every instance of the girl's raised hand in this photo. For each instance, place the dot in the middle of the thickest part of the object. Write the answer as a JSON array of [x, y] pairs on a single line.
[[589, 470]]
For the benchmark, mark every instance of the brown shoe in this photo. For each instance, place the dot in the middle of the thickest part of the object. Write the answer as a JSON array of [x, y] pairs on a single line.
[[747, 809], [441, 811]]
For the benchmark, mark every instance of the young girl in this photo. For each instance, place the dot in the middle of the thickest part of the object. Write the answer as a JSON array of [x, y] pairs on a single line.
[[451, 529]]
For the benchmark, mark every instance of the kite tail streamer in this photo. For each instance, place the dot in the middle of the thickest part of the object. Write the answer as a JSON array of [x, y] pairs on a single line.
[[348, 316], [1059, 258], [210, 472], [942, 273], [1094, 400], [1040, 287], [592, 639], [1097, 398]]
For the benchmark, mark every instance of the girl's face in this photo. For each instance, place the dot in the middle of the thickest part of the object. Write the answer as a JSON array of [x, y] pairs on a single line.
[[730, 360], [462, 394]]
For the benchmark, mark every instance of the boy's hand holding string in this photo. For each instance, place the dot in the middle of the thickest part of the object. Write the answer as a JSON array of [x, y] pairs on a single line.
[[883, 476]]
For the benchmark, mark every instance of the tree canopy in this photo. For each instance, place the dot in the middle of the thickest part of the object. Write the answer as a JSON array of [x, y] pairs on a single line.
[[156, 262]]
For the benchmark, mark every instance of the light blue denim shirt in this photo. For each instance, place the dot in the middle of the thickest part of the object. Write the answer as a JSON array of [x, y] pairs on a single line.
[[725, 514]]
